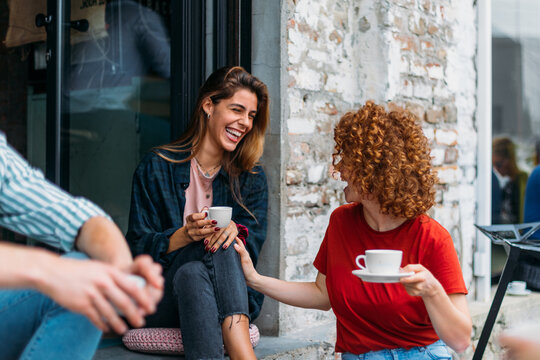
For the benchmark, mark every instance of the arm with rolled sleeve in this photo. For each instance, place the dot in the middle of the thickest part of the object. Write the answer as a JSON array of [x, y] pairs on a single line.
[[34, 207], [31, 205]]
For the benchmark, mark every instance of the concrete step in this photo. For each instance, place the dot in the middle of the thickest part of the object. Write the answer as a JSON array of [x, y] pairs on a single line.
[[318, 343]]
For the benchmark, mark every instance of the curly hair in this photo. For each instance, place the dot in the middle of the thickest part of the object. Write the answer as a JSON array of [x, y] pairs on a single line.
[[386, 155]]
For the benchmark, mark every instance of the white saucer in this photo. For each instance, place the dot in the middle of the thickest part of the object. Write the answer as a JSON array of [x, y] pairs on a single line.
[[380, 278], [518, 293]]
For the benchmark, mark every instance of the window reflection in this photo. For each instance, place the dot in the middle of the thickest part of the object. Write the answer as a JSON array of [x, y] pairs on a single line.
[[516, 79], [515, 112], [137, 44], [119, 98]]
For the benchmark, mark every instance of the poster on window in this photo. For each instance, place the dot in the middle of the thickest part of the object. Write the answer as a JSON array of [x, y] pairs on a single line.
[[22, 27]]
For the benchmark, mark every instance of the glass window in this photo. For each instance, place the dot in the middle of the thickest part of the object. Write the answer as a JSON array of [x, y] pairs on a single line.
[[515, 108], [116, 88], [119, 96]]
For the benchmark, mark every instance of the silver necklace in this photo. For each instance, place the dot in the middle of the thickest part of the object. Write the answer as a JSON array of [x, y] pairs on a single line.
[[206, 172]]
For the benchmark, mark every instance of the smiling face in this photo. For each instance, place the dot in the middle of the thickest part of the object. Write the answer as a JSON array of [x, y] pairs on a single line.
[[230, 120]]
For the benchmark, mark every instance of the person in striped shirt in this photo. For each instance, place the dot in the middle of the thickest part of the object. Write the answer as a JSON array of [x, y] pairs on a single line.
[[55, 307]]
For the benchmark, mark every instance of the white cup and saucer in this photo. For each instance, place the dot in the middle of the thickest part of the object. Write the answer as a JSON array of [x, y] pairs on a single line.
[[518, 288], [381, 266]]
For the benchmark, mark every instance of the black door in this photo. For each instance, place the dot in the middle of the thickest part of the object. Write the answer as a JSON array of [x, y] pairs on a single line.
[[104, 81]]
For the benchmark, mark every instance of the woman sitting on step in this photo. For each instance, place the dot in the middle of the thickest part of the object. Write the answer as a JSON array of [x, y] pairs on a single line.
[[385, 159], [213, 164]]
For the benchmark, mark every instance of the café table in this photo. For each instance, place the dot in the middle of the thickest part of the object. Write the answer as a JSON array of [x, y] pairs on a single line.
[[516, 241]]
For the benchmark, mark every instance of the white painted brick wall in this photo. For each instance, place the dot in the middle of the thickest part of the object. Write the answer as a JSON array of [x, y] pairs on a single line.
[[339, 53]]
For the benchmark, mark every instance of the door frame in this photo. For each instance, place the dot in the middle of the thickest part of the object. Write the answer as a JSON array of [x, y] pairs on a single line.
[[482, 252], [57, 106], [231, 46]]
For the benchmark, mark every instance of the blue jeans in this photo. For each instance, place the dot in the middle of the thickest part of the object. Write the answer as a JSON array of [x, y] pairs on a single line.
[[201, 290], [32, 326], [437, 350]]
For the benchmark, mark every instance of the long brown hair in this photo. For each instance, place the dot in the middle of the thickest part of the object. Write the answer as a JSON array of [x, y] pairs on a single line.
[[223, 84]]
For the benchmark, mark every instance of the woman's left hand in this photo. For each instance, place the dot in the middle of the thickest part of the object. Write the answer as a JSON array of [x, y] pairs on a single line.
[[225, 236], [422, 283]]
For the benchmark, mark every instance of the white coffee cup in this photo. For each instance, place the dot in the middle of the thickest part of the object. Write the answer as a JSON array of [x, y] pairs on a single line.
[[380, 261], [139, 280], [517, 287], [141, 283], [221, 214]]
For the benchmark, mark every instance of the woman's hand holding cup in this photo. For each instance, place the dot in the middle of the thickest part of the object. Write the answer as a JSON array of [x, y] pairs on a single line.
[[198, 226], [213, 225], [226, 230], [224, 237], [422, 283]]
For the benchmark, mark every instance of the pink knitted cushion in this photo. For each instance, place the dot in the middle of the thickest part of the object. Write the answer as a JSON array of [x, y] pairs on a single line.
[[166, 340]]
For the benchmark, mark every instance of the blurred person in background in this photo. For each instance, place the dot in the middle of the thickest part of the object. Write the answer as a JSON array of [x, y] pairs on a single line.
[[511, 182]]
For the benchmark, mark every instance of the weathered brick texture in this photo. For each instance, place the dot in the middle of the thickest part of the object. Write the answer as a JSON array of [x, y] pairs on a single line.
[[418, 54]]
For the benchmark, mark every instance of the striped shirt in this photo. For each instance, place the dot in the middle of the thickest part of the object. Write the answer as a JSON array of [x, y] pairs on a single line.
[[34, 207]]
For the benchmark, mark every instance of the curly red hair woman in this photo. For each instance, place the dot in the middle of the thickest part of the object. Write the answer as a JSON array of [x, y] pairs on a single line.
[[387, 156], [385, 159]]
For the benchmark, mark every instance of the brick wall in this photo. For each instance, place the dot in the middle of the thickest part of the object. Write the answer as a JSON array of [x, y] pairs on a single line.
[[419, 54]]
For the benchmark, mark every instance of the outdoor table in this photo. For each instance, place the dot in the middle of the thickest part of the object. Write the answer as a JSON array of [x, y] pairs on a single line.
[[515, 239]]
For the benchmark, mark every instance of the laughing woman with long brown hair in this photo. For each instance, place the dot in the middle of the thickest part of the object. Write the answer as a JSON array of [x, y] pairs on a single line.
[[213, 164]]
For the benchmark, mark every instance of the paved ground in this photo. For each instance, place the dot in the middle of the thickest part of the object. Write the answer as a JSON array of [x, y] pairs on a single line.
[[269, 347], [316, 344]]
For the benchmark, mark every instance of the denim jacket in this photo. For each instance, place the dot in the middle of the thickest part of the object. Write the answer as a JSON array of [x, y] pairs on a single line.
[[157, 209]]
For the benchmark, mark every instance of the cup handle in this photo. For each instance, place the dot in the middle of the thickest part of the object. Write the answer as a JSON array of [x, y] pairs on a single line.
[[358, 258], [205, 211]]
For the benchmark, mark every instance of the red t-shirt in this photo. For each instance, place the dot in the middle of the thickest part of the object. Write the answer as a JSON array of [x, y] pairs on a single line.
[[375, 316]]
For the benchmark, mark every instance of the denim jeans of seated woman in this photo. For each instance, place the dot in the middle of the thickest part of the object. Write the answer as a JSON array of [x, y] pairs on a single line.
[[32, 326], [201, 290], [437, 350]]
